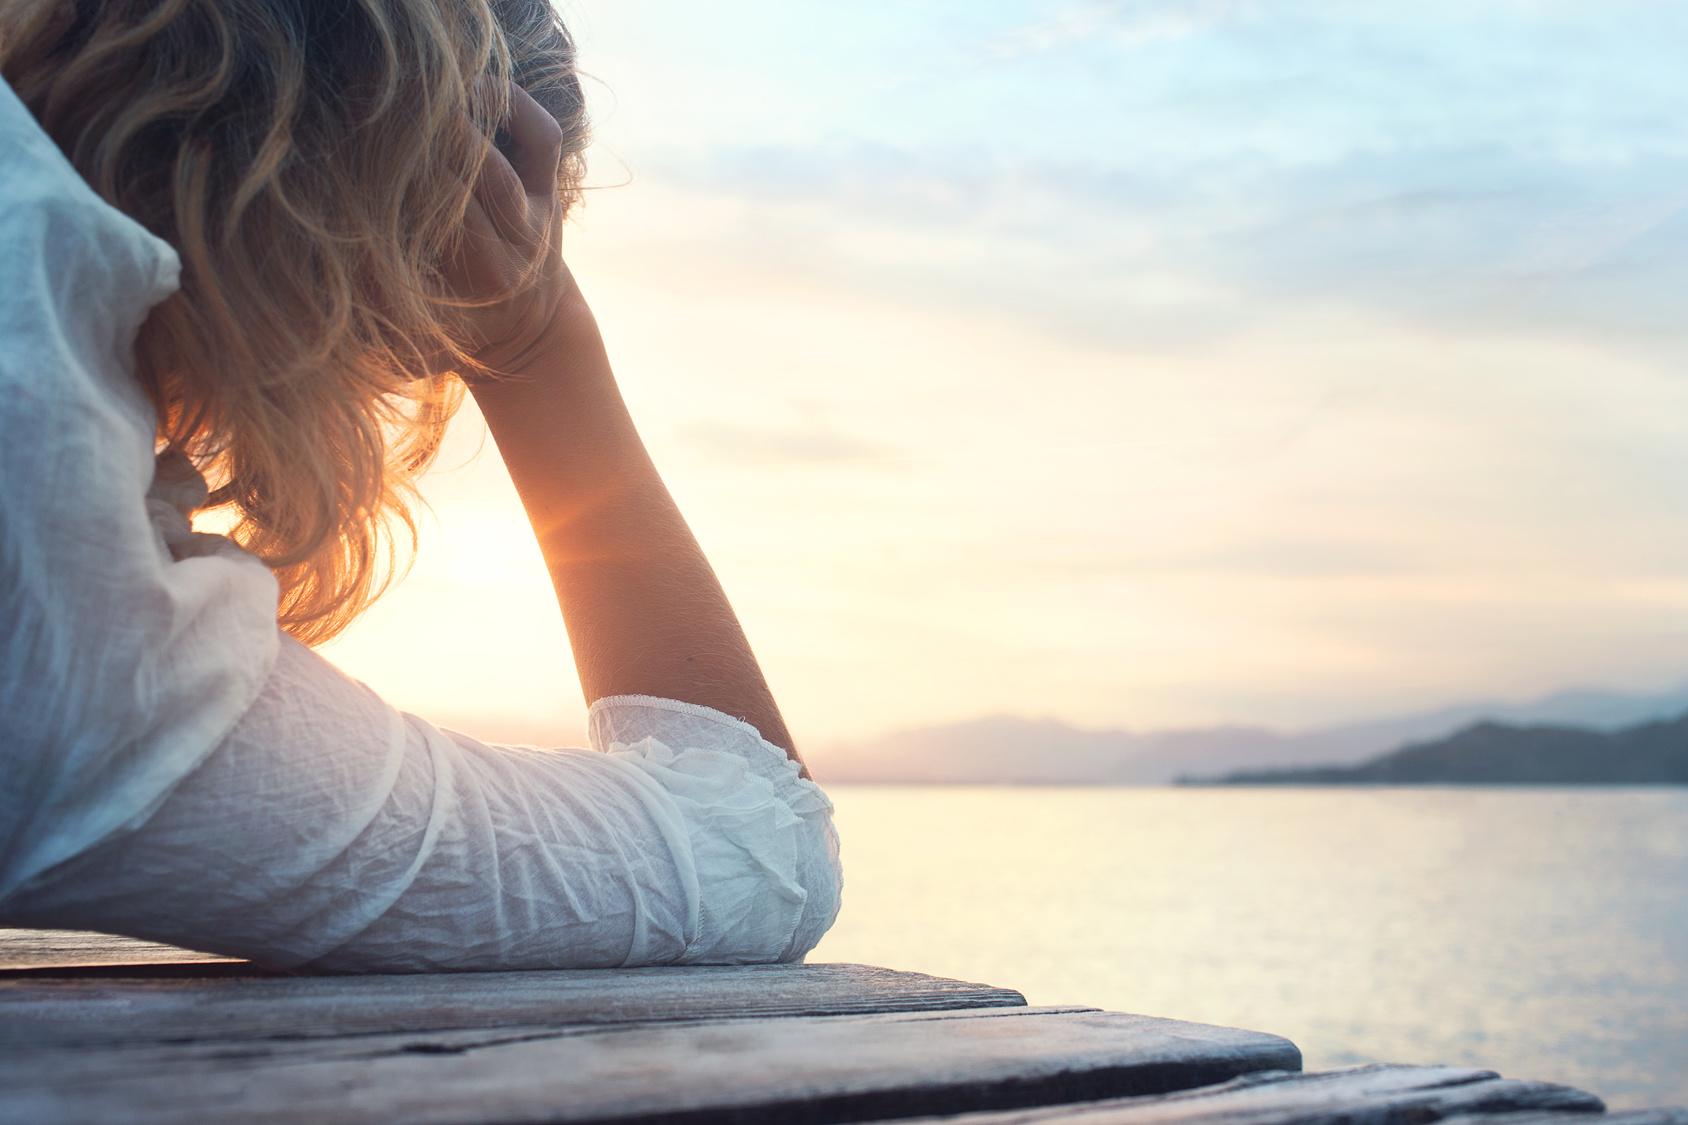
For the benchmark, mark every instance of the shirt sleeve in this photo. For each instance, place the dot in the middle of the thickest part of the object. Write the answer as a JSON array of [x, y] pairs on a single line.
[[760, 834], [331, 832]]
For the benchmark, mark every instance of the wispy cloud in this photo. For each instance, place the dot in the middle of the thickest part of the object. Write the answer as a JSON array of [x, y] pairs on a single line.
[[1129, 23], [811, 444], [1434, 234]]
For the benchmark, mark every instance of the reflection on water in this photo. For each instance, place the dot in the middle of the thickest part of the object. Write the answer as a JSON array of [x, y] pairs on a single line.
[[1542, 933]]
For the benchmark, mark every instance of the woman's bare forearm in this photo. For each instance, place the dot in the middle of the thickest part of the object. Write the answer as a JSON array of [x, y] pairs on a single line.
[[644, 611]]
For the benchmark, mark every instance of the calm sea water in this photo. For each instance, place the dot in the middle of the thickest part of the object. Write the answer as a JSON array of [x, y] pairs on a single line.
[[1542, 933]]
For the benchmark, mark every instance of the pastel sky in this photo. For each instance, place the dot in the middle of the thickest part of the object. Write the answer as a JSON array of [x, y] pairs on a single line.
[[1133, 363]]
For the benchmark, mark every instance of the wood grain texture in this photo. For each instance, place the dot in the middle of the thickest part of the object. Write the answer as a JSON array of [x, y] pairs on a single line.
[[1669, 1115], [23, 950], [38, 1012], [1366, 1095], [793, 1071]]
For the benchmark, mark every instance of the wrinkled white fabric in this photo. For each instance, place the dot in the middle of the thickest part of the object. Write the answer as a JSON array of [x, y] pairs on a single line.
[[123, 669], [175, 768]]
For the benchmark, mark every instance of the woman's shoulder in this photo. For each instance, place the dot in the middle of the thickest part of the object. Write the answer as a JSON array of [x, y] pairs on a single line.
[[56, 230]]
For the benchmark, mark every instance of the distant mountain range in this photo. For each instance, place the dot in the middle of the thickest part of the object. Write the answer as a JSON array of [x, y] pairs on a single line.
[[1500, 754], [1006, 750]]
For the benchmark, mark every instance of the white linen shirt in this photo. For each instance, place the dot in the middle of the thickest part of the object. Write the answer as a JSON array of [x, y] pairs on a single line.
[[174, 767]]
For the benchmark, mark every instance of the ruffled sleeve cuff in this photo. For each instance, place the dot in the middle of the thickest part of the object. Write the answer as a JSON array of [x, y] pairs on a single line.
[[761, 840]]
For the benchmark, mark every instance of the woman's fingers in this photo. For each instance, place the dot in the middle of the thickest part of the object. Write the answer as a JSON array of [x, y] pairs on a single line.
[[517, 187], [482, 251], [505, 266], [498, 191], [536, 144]]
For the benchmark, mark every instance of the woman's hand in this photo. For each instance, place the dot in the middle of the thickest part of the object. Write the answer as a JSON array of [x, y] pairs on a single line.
[[508, 269]]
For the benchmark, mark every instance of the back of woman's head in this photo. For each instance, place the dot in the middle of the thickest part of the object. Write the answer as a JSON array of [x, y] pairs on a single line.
[[311, 160]]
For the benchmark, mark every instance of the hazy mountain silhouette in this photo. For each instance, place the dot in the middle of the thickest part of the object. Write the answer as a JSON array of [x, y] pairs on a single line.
[[1499, 754], [1007, 750]]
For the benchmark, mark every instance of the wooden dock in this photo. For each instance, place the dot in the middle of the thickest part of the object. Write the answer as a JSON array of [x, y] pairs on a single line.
[[105, 1030]]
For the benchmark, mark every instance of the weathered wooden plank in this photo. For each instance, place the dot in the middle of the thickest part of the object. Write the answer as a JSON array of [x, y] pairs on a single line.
[[38, 1012], [37, 949], [795, 1071], [1365, 1095], [1668, 1115]]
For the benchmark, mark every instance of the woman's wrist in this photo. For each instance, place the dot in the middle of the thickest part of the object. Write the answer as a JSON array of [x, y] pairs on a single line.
[[557, 412], [566, 334]]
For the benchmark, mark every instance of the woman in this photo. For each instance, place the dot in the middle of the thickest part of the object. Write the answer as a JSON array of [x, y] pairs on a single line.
[[266, 243]]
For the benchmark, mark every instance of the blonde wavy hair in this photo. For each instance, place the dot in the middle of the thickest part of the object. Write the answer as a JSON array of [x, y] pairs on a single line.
[[311, 161]]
